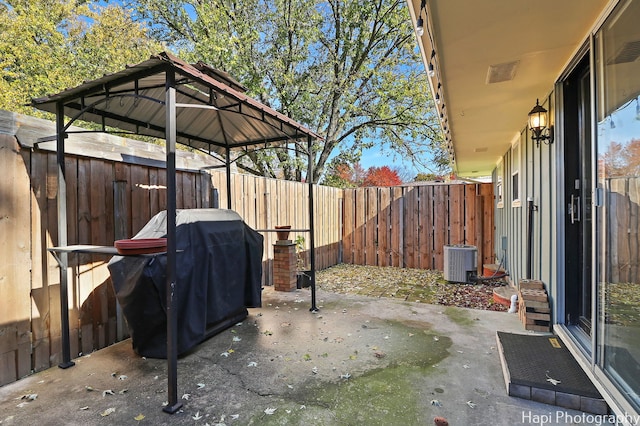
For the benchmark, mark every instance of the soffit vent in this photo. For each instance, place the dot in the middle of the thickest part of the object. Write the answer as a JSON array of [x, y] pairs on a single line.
[[502, 72], [629, 52]]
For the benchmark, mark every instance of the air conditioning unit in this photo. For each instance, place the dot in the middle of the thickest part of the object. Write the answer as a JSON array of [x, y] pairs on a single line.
[[460, 263]]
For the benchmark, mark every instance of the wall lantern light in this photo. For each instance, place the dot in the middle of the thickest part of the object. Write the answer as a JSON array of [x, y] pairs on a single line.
[[538, 123]]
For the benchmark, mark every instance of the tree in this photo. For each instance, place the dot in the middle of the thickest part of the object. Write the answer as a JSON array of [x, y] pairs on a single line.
[[348, 70], [622, 159], [50, 45], [381, 176], [343, 175], [427, 177]]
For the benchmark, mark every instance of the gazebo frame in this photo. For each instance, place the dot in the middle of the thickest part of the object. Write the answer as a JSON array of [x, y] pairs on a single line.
[[190, 104]]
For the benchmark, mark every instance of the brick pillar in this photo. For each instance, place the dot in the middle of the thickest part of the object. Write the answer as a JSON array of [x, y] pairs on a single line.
[[284, 267]]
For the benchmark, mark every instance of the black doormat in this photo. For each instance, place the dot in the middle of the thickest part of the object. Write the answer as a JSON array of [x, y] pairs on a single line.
[[540, 367]]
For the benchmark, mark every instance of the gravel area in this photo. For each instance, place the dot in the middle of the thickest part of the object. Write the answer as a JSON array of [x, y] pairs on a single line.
[[412, 285]]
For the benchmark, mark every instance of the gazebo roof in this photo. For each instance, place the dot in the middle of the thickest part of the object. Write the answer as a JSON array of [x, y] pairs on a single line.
[[212, 112]]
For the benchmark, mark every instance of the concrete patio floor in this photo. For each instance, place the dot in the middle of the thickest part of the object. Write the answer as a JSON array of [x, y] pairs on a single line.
[[359, 361]]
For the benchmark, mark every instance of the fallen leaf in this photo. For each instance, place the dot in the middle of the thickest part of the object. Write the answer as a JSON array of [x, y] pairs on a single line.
[[108, 411], [270, 411], [551, 380], [231, 351], [139, 417]]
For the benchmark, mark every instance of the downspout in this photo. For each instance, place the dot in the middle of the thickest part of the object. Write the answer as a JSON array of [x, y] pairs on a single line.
[[530, 209]]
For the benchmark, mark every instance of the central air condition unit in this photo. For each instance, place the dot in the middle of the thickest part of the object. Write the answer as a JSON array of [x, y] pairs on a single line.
[[460, 263]]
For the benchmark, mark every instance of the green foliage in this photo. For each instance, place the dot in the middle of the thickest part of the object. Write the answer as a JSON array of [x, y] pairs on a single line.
[[348, 70], [427, 177], [50, 45]]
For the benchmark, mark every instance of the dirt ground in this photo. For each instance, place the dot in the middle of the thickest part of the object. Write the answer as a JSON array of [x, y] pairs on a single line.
[[412, 285]]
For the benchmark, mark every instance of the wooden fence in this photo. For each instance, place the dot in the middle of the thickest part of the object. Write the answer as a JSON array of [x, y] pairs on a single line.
[[112, 196], [623, 230], [106, 201], [408, 226]]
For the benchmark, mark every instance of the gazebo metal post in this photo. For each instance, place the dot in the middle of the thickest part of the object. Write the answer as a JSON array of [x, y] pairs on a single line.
[[228, 169], [172, 319], [312, 234], [62, 237]]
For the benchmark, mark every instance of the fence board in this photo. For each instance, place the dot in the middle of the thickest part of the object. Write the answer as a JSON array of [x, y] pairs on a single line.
[[456, 214], [425, 227], [15, 252], [470, 220], [488, 226], [348, 222], [410, 230], [371, 229], [634, 234], [384, 214], [440, 225], [397, 227], [360, 218]]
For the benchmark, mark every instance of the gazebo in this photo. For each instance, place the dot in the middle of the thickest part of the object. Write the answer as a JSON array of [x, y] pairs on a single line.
[[190, 104]]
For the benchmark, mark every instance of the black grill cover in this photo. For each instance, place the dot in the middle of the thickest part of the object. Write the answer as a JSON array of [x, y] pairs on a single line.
[[218, 275]]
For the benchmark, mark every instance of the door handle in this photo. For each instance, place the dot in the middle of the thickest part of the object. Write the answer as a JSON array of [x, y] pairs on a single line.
[[574, 209]]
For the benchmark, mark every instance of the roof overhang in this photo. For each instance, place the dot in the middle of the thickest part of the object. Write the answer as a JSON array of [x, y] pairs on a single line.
[[493, 59], [212, 112]]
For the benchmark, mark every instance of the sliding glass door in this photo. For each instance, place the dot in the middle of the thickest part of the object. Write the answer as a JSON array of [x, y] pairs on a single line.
[[617, 53]]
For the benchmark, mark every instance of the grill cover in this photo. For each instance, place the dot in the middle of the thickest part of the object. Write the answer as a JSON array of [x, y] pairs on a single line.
[[218, 275]]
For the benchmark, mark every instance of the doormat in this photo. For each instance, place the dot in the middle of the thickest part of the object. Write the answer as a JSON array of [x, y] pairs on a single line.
[[541, 368]]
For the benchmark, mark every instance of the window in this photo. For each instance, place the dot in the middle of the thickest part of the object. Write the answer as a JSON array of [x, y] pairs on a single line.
[[499, 188], [515, 174]]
